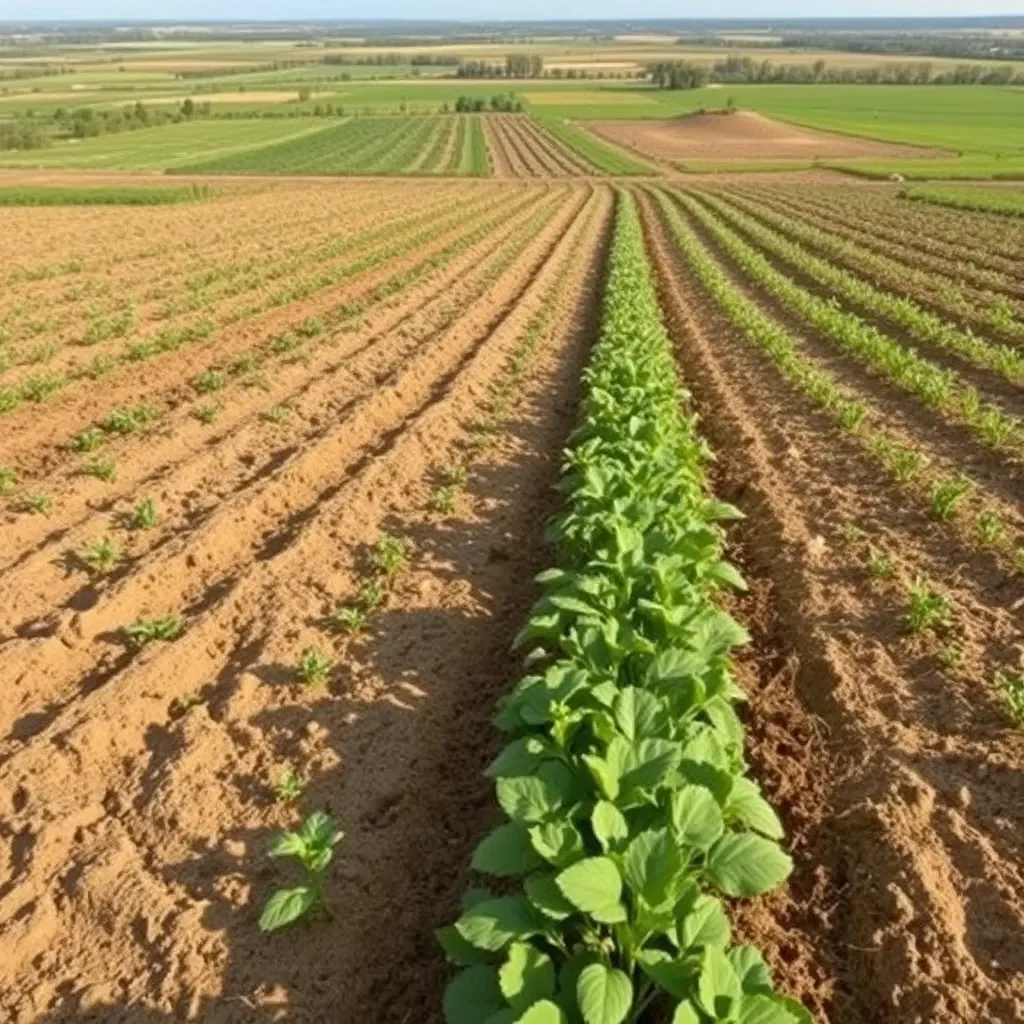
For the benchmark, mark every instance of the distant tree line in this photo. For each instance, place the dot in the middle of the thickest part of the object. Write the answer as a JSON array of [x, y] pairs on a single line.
[[976, 46], [477, 104], [743, 69]]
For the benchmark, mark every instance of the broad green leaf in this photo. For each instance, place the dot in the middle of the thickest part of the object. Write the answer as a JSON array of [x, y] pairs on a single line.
[[527, 976], [747, 803], [609, 825], [636, 711], [606, 778], [521, 757], [704, 924], [686, 1014], [696, 817], [745, 864], [471, 897], [700, 773], [594, 886], [544, 1012], [532, 798], [558, 842], [318, 830], [458, 950], [648, 763], [718, 991], [472, 996], [729, 575], [762, 1009], [675, 976], [505, 1016], [286, 906], [544, 894], [721, 510], [605, 995], [288, 844], [652, 865], [492, 925], [750, 968], [506, 851]]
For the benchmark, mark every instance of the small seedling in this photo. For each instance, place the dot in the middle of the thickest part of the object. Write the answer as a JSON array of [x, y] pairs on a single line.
[[244, 365], [313, 847], [950, 656], [313, 667], [144, 515], [455, 475], [103, 468], [145, 631], [87, 440], [209, 380], [128, 421], [39, 503], [101, 555], [880, 565], [207, 413], [283, 343], [947, 495], [276, 414], [1011, 685], [991, 529], [311, 327], [926, 609], [347, 619], [8, 480], [391, 555], [444, 499], [371, 595], [852, 533], [851, 415], [288, 786]]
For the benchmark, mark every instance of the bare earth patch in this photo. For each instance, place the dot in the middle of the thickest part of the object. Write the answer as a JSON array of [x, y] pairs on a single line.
[[742, 136]]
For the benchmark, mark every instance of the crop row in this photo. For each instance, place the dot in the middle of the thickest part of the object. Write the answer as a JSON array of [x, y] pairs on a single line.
[[947, 496], [601, 157], [854, 249], [940, 388], [629, 813]]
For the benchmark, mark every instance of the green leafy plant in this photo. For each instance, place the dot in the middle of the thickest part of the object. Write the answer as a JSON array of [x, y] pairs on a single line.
[[926, 608], [103, 468], [951, 656], [145, 631], [207, 413], [880, 565], [313, 667], [39, 503], [371, 596], [455, 475], [145, 515], [390, 555], [1011, 686], [8, 480], [991, 528], [313, 847], [947, 494], [209, 380], [101, 555], [443, 499], [289, 785], [347, 619], [128, 421], [87, 440], [276, 414]]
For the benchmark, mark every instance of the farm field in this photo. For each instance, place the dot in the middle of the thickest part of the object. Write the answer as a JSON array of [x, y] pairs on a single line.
[[275, 470]]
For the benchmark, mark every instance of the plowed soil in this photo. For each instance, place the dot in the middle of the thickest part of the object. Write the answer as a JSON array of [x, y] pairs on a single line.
[[742, 136], [137, 785]]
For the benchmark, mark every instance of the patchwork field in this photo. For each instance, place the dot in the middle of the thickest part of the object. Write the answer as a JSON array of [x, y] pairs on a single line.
[[276, 465]]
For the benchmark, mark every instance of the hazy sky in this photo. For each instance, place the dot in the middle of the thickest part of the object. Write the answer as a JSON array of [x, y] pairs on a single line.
[[183, 10]]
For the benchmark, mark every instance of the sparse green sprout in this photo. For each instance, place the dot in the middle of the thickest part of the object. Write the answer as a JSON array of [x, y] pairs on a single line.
[[244, 365], [276, 414], [852, 533], [1011, 685], [881, 565], [101, 555], [87, 440], [313, 847], [313, 667], [286, 342], [444, 499], [144, 515], [207, 413], [39, 503], [103, 468], [951, 656], [947, 494], [455, 475], [391, 555], [991, 529], [851, 415], [371, 595], [311, 327], [8, 480], [128, 421], [145, 631], [347, 619], [926, 609], [41, 386], [209, 380], [288, 786]]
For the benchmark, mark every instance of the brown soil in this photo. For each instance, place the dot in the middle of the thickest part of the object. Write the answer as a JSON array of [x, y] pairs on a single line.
[[136, 825], [742, 136], [899, 781]]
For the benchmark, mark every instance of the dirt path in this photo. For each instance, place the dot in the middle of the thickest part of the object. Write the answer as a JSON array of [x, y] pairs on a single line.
[[142, 829], [899, 781]]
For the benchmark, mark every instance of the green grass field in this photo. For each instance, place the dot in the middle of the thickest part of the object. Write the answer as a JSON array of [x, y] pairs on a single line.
[[1009, 201], [167, 146], [109, 195]]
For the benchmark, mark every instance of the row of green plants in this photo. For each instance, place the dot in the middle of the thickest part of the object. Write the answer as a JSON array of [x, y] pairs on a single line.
[[41, 386], [942, 257], [939, 388], [628, 811], [602, 158], [474, 157], [919, 323], [900, 272], [249, 367], [950, 498]]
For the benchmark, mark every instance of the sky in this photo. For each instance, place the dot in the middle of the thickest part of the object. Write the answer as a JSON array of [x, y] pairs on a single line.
[[184, 10]]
